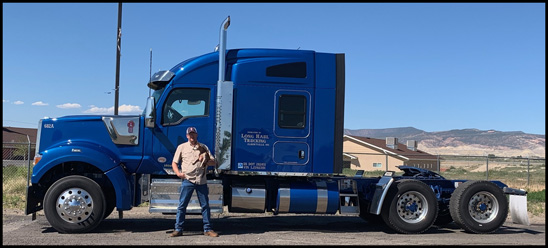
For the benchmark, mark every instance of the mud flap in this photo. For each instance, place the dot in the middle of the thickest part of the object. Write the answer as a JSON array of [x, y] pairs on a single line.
[[518, 209]]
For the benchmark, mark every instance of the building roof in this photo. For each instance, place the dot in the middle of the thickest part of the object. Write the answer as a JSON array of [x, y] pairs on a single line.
[[18, 135], [402, 150]]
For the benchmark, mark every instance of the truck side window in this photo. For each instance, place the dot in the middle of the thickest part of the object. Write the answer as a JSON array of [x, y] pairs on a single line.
[[291, 70], [292, 111], [183, 103]]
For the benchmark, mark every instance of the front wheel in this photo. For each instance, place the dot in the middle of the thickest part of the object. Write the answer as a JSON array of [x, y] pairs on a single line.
[[74, 204], [479, 206], [410, 207]]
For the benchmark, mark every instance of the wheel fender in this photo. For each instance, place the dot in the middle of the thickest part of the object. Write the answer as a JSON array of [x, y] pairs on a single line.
[[103, 159], [122, 187], [93, 154]]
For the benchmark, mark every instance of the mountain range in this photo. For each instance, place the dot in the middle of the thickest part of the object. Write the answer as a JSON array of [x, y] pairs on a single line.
[[464, 141]]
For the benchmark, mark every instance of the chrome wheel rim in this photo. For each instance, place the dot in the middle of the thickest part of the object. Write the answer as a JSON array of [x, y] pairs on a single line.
[[483, 207], [74, 205], [412, 207]]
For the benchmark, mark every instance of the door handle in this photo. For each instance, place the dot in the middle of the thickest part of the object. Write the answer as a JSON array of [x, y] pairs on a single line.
[[301, 154]]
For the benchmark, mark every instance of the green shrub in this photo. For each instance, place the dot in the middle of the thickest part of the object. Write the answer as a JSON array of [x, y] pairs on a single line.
[[537, 196]]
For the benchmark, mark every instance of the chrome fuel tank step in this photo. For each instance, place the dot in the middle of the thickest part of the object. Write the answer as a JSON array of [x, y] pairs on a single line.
[[164, 196]]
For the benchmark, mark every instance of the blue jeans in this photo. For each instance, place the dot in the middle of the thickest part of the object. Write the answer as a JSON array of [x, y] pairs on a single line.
[[186, 192]]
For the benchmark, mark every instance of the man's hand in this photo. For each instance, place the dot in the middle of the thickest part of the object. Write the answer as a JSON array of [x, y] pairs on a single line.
[[181, 175]]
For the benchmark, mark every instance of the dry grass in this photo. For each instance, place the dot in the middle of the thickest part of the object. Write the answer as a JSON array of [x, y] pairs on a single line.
[[14, 192]]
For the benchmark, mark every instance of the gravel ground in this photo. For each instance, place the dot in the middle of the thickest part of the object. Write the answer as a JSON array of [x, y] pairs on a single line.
[[139, 227]]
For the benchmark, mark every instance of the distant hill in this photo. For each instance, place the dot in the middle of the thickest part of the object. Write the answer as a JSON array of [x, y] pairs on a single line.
[[452, 142], [464, 141]]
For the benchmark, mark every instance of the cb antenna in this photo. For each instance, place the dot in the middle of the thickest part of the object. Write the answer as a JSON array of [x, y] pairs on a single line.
[[150, 70]]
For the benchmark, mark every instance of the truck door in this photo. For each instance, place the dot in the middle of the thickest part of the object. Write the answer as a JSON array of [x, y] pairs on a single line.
[[183, 107], [292, 130]]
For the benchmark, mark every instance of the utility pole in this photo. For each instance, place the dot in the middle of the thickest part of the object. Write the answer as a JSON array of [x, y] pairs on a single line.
[[118, 48]]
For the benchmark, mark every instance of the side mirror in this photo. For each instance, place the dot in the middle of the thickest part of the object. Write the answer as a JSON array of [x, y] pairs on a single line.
[[149, 112]]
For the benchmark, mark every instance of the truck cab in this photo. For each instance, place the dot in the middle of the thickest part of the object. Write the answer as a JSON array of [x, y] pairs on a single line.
[[275, 95]]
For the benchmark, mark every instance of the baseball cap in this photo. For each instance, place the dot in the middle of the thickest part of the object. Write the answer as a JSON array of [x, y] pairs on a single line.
[[191, 130]]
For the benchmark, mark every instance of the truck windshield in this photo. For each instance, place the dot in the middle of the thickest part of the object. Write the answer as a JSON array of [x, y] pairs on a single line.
[[157, 94]]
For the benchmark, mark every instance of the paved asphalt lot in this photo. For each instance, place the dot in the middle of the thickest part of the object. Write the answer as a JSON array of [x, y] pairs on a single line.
[[139, 227]]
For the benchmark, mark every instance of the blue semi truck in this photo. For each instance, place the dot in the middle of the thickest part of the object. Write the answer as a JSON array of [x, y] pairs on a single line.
[[276, 126]]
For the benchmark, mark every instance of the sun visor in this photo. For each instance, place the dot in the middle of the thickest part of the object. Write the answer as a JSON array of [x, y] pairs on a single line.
[[160, 79]]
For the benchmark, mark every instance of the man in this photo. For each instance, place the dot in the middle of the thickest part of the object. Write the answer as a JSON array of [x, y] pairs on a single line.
[[194, 158]]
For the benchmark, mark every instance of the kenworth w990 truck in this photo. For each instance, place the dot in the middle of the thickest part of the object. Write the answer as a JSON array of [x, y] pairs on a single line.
[[276, 126]]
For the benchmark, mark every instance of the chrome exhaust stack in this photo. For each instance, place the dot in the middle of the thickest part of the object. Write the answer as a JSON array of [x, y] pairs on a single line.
[[223, 125], [222, 49]]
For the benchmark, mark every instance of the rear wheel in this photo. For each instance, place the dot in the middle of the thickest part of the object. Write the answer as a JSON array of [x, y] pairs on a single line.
[[479, 206], [410, 207], [74, 204]]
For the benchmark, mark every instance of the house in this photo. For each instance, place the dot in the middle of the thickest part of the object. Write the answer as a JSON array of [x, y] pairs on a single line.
[[369, 154], [15, 142]]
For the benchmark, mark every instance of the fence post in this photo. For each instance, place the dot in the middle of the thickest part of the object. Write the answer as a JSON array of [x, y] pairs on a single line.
[[487, 168], [527, 171], [438, 164], [28, 165]]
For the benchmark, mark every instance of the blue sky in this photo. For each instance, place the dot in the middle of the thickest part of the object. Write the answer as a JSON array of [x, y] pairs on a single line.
[[432, 66]]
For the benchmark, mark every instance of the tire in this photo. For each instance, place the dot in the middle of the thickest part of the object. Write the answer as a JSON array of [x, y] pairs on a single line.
[[74, 204], [410, 207], [479, 206], [110, 199], [109, 209]]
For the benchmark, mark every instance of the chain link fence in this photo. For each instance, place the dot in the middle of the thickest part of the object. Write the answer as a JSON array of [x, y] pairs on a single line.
[[516, 172], [17, 160]]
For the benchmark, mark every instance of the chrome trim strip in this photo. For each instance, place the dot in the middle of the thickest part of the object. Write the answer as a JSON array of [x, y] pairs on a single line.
[[322, 197], [268, 173], [380, 193], [285, 199]]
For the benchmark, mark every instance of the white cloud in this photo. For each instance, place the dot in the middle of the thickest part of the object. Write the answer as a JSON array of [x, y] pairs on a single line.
[[18, 102], [40, 103], [5, 100], [96, 110], [129, 109], [123, 109], [69, 105]]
